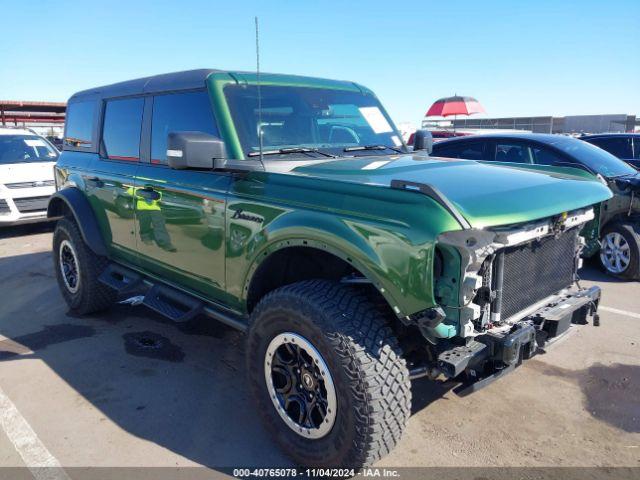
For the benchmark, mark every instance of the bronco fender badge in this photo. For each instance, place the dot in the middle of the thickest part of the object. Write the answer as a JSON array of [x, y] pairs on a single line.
[[239, 214]]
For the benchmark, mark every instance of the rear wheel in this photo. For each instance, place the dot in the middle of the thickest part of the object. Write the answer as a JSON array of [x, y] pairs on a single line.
[[327, 375], [620, 250], [77, 269]]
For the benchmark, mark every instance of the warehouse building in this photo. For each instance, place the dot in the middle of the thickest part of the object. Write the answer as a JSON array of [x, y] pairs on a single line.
[[46, 118], [568, 125]]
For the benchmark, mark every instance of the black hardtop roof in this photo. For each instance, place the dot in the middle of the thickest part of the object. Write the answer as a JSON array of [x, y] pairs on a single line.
[[186, 80]]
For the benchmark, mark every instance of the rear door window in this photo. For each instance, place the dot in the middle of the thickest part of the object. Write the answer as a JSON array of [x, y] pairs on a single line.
[[544, 156], [80, 117], [190, 111], [512, 152], [121, 129]]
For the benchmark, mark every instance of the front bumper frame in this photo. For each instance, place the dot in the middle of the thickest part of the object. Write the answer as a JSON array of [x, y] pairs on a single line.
[[491, 355]]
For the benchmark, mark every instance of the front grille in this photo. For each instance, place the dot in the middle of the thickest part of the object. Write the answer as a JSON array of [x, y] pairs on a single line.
[[4, 207], [536, 270], [31, 204], [43, 183]]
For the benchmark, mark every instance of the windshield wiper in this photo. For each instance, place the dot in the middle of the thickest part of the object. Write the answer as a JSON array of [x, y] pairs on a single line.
[[286, 151], [371, 147]]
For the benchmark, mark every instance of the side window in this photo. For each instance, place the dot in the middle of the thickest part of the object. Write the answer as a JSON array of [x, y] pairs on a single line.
[[636, 148], [544, 156], [466, 150], [121, 129], [512, 152], [617, 146], [179, 112], [79, 120]]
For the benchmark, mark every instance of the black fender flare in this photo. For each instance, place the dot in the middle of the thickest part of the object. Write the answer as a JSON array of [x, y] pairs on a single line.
[[73, 200]]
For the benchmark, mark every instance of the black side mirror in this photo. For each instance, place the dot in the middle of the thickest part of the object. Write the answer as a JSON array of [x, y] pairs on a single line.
[[194, 150], [422, 140]]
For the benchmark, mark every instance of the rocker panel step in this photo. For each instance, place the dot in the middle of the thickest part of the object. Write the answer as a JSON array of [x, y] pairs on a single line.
[[174, 305], [121, 279]]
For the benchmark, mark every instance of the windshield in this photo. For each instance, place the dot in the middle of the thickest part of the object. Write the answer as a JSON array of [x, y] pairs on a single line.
[[598, 160], [323, 119], [25, 149]]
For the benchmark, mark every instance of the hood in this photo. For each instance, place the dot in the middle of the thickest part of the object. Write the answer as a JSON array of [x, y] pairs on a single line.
[[486, 195], [26, 172]]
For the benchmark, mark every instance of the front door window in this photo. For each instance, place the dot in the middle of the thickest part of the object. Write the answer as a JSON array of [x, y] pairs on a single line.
[[512, 152]]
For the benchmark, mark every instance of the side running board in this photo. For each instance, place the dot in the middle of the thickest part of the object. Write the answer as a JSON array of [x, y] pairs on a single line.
[[432, 192], [123, 280], [173, 304], [176, 305]]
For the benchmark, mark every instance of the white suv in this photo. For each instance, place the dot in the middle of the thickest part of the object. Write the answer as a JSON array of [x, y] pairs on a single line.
[[26, 176]]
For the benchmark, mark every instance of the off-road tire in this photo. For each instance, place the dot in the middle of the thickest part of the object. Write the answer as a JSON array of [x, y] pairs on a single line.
[[371, 380], [631, 234], [91, 295]]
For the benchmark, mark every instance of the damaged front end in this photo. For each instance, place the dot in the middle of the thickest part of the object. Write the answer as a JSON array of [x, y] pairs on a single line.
[[505, 292]]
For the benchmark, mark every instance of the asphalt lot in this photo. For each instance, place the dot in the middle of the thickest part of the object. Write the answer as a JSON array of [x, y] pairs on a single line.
[[89, 393]]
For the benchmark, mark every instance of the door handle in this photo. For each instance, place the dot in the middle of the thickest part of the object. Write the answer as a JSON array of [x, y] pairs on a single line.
[[94, 182], [149, 193]]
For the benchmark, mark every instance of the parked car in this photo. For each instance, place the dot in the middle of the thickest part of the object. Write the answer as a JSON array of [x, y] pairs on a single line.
[[26, 176], [353, 264], [55, 141], [617, 229], [438, 135], [625, 146]]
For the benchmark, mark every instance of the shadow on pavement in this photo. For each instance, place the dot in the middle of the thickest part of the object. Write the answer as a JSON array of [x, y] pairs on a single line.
[[593, 272], [424, 392], [27, 229], [188, 396], [610, 392]]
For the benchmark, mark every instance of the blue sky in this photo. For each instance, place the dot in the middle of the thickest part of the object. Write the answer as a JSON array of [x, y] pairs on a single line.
[[516, 57]]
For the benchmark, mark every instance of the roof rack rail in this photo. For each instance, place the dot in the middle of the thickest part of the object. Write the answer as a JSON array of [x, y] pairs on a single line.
[[432, 192]]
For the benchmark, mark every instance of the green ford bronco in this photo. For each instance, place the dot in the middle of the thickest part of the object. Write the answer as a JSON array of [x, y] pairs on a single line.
[[290, 208]]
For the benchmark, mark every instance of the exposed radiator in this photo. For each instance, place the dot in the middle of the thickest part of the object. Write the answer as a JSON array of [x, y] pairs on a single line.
[[537, 270]]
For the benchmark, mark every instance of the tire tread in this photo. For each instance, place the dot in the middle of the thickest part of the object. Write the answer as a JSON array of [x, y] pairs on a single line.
[[370, 355], [94, 295]]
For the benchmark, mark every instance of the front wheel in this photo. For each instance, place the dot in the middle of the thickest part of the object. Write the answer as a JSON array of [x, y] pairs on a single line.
[[620, 250], [77, 269], [327, 375]]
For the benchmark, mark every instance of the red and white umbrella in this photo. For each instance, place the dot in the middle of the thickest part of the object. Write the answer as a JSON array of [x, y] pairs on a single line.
[[455, 105]]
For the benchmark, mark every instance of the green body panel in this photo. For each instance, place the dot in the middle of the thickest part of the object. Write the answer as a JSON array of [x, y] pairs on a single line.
[[569, 171], [112, 197], [209, 231], [386, 234], [184, 238], [215, 84], [622, 206], [486, 195]]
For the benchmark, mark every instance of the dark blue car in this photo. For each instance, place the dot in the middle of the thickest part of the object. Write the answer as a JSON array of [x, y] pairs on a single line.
[[625, 146], [619, 220]]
